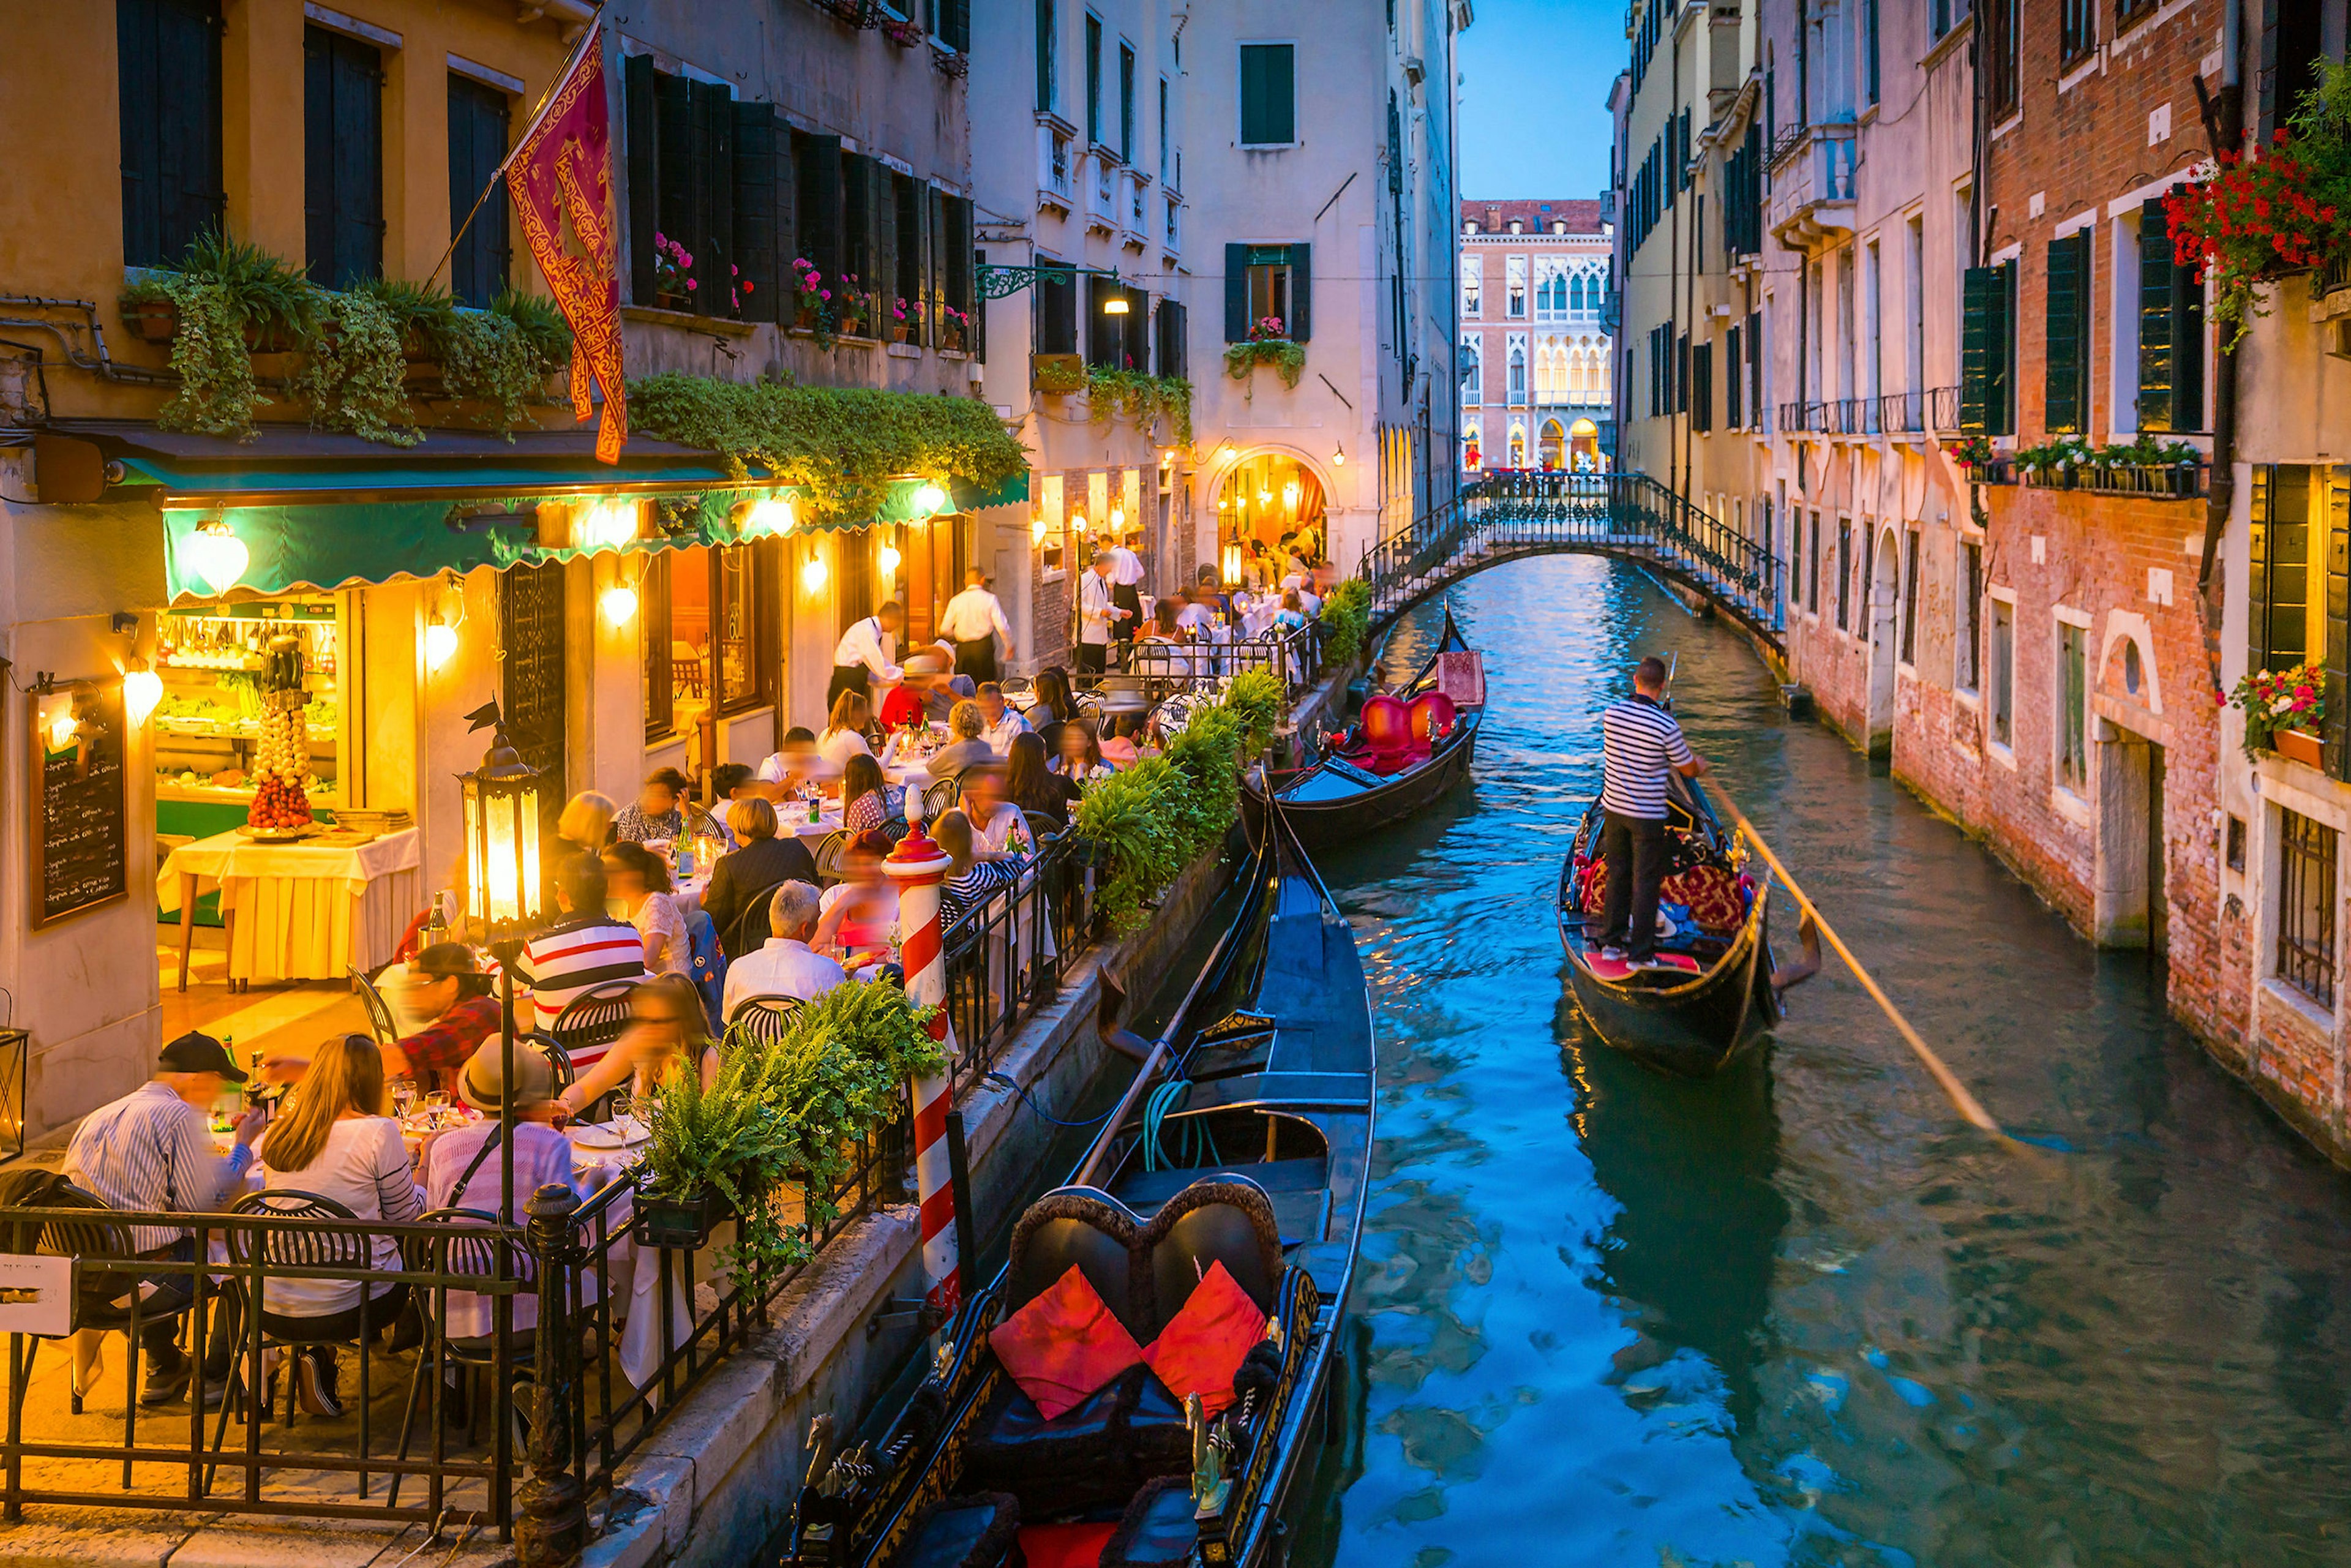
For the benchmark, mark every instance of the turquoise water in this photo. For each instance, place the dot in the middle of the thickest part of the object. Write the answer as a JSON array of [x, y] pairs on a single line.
[[1801, 1313]]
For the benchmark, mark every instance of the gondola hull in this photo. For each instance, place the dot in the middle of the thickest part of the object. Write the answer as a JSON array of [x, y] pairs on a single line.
[[1323, 810]]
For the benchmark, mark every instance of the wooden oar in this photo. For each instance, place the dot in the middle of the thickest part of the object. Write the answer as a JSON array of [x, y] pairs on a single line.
[[1964, 1101]]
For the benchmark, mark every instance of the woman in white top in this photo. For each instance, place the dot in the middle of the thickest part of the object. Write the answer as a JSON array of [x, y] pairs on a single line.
[[638, 880], [845, 732], [995, 819], [334, 1143]]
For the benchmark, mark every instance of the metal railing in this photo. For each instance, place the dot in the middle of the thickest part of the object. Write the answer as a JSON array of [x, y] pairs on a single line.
[[1899, 412], [1943, 409], [2174, 481], [1163, 669], [1006, 954]]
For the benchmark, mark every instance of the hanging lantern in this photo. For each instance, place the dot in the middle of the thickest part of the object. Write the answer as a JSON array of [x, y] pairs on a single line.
[[143, 688], [1232, 563], [770, 518], [219, 557], [619, 603], [812, 573], [440, 642], [888, 559], [930, 500], [1339, 456], [501, 841]]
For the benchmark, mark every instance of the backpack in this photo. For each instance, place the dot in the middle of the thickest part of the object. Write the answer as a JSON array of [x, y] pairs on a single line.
[[709, 963]]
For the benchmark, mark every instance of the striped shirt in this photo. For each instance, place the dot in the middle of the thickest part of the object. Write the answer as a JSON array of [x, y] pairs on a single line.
[[151, 1151], [1642, 744], [569, 958], [967, 891]]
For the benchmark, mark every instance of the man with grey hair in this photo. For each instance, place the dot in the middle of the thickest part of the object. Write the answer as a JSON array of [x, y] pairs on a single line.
[[783, 966]]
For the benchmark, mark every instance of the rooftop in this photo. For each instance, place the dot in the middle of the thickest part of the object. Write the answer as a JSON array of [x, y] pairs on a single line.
[[1581, 214]]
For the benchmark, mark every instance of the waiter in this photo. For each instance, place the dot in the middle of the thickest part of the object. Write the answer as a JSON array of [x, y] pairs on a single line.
[[863, 653], [1641, 744], [1098, 615], [973, 622], [1126, 579]]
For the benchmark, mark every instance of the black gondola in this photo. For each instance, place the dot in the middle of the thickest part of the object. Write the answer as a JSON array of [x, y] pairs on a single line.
[[1375, 777], [1718, 1000], [1269, 1057]]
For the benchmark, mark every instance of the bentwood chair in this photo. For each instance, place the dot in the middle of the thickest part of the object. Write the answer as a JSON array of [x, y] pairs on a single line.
[[828, 857], [380, 1022], [461, 1250], [590, 1023], [765, 1019], [939, 797]]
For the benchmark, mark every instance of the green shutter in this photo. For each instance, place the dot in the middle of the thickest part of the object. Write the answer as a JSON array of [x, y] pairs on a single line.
[[677, 211], [644, 181], [885, 249], [714, 117], [2257, 569], [1301, 293], [1999, 398], [2066, 355], [1237, 321], [857, 219], [2157, 276], [818, 203], [2187, 348], [1977, 323], [756, 132], [2336, 691], [1269, 94]]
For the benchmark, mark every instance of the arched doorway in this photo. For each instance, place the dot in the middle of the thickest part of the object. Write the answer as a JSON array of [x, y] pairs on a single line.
[[1885, 634], [1552, 444], [1472, 447], [1583, 446], [1518, 445], [1267, 501]]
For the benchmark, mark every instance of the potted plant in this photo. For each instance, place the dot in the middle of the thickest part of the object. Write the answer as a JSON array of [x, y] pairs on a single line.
[[1266, 344], [810, 296], [954, 327], [674, 282], [269, 297], [851, 307], [903, 318], [2283, 712]]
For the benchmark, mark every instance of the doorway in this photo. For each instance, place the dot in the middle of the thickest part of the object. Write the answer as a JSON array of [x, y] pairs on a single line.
[[2131, 905], [1885, 575]]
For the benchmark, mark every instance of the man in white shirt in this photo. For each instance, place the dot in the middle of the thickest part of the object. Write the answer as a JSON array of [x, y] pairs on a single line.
[[864, 654], [783, 967], [1098, 614], [973, 622], [1005, 724], [1126, 576]]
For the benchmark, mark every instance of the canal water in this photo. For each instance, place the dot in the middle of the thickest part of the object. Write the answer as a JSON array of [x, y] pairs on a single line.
[[1801, 1314]]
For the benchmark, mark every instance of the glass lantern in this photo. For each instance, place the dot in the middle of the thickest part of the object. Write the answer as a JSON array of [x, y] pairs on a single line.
[[501, 843]]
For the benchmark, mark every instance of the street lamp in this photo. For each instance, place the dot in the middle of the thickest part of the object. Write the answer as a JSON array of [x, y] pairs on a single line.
[[501, 826], [1232, 563]]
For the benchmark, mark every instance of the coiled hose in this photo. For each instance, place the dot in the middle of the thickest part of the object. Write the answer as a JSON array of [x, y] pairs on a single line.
[[1194, 1140]]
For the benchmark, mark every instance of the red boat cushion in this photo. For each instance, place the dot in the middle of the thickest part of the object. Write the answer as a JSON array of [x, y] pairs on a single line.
[[1617, 969], [1063, 1346], [1595, 887], [1386, 727], [1711, 895], [1065, 1545], [1207, 1339], [1432, 718]]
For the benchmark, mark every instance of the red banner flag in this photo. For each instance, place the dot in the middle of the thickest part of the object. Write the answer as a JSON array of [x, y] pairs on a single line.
[[561, 176]]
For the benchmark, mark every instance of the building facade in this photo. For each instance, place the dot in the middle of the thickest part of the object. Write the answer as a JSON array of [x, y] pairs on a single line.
[[1537, 360]]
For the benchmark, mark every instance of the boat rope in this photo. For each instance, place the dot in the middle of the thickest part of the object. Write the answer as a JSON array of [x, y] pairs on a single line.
[[1193, 1138], [1966, 1103], [1043, 1114]]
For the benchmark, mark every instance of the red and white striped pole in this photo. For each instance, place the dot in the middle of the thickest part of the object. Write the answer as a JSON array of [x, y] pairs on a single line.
[[919, 867]]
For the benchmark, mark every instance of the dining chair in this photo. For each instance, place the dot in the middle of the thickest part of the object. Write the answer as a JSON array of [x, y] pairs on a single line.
[[464, 1246], [828, 857], [939, 797], [380, 1022], [590, 1021], [765, 1019]]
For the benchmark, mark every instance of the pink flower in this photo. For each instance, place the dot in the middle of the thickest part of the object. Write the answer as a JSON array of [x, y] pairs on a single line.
[[826, 294], [691, 285]]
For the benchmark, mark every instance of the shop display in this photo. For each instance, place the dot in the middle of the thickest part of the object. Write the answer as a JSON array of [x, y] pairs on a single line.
[[250, 718]]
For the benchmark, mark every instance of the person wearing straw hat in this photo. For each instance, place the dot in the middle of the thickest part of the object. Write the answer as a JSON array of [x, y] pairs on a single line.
[[461, 1168]]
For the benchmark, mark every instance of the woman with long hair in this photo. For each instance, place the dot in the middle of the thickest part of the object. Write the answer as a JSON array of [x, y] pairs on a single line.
[[1081, 760], [639, 880], [335, 1143], [845, 732], [1056, 705], [1034, 786], [866, 796], [666, 1024]]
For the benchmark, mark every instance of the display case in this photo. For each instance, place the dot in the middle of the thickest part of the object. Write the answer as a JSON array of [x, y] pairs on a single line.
[[212, 728]]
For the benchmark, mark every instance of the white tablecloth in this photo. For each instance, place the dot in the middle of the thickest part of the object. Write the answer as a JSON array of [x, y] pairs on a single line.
[[303, 911]]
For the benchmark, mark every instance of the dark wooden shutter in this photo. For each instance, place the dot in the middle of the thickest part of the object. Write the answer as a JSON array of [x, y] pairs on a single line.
[[2066, 356], [1301, 293], [1986, 389], [2336, 694], [1056, 309], [1172, 357], [886, 248], [1237, 321], [817, 202], [1137, 322], [169, 87], [1048, 55], [644, 171], [713, 178], [342, 134], [1101, 332], [909, 237], [678, 215], [857, 219], [2155, 279], [1269, 95], [954, 24], [956, 240], [787, 228], [934, 278], [1731, 367], [479, 120], [2187, 343], [756, 129]]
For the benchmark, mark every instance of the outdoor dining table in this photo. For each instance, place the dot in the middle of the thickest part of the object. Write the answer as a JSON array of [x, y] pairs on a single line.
[[310, 910]]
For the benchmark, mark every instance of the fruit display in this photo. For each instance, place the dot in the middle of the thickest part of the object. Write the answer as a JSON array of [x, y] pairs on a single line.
[[282, 757]]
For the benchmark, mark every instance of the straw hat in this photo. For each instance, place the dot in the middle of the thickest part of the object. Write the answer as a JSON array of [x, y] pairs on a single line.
[[485, 1075]]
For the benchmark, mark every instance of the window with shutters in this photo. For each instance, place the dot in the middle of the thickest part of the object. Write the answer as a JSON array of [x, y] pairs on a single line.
[[1266, 285], [1174, 350], [734, 187], [1167, 136], [2078, 31], [1055, 318], [478, 120], [2001, 78], [2292, 40], [1910, 596], [1127, 102], [1048, 58], [859, 210], [1844, 574], [1093, 80], [343, 158], [910, 254], [2170, 331], [168, 85], [951, 23], [1473, 383], [2003, 673], [1269, 95], [1702, 387], [2065, 356], [1966, 673], [1988, 350], [1812, 566], [2283, 622], [2073, 716], [2305, 906], [1734, 369], [1106, 333], [816, 201]]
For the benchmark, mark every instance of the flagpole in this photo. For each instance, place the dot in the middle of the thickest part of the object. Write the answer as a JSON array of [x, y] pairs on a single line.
[[592, 38]]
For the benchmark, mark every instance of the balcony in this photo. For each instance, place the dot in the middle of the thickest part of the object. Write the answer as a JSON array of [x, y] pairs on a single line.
[[1134, 223], [1102, 192], [1811, 201], [1056, 144], [1172, 241]]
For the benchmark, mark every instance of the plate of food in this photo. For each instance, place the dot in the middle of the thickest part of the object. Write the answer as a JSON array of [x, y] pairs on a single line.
[[622, 1133], [289, 835]]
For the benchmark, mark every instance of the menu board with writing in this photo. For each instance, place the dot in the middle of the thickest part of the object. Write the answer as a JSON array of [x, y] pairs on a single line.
[[79, 858]]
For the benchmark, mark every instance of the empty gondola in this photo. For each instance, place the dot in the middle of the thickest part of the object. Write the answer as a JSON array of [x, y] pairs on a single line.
[[1714, 996], [1145, 1378]]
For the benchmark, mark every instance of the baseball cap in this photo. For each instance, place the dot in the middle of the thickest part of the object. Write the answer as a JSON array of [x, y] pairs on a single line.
[[443, 959], [198, 1053]]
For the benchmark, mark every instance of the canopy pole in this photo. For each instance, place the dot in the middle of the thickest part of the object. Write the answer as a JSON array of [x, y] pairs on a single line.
[[1965, 1102]]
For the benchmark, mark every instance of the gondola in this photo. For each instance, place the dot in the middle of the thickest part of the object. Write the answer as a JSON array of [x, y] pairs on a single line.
[[1717, 998], [1406, 749], [1233, 1173]]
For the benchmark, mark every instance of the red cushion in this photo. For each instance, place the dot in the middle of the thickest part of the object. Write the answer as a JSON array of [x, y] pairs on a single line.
[[901, 708], [1432, 718], [1065, 1545], [1063, 1346], [1386, 725], [1204, 1343], [1710, 894]]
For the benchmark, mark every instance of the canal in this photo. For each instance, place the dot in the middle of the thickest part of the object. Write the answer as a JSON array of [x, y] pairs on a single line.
[[1801, 1313]]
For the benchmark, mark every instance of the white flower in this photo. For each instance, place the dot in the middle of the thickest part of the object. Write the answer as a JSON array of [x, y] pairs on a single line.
[[2282, 705]]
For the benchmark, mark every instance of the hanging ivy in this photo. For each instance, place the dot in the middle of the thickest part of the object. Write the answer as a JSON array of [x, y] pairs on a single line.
[[844, 444], [355, 374], [1287, 358], [1111, 392]]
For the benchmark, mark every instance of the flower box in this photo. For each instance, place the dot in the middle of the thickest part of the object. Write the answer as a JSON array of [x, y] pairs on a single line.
[[682, 1223], [151, 320], [1057, 374], [2296, 746]]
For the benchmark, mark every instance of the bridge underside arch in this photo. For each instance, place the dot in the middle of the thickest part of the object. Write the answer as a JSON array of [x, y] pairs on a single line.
[[1386, 615]]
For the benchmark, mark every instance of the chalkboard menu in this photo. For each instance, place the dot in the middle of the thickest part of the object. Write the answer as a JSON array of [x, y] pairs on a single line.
[[79, 858]]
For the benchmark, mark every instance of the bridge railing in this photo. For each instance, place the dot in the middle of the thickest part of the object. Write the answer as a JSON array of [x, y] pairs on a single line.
[[1630, 514]]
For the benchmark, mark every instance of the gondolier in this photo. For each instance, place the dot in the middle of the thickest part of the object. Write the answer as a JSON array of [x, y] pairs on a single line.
[[1642, 745], [1126, 584], [864, 654], [973, 622]]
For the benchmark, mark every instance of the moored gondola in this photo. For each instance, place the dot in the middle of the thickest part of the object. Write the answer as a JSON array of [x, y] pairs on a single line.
[[1405, 748], [1204, 1245], [1714, 999]]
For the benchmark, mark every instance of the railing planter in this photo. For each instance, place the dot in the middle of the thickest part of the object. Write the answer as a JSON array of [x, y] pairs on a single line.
[[158, 321], [1287, 357], [682, 1223], [1058, 375]]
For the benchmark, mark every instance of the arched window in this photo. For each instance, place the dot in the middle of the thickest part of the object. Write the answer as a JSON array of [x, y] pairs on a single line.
[[1576, 372], [1575, 292], [1518, 372], [1472, 454], [1518, 445], [1472, 378]]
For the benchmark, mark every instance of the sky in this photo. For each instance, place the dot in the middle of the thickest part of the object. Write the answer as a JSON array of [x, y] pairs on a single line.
[[1534, 96]]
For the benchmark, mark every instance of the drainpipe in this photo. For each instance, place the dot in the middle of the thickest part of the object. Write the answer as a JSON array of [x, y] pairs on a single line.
[[1677, 474], [2211, 588]]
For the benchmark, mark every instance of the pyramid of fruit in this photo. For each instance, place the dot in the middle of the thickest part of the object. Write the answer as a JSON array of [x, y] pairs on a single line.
[[283, 755]]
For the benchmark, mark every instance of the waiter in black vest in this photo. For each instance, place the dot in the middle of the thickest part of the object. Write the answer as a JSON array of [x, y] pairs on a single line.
[[864, 654]]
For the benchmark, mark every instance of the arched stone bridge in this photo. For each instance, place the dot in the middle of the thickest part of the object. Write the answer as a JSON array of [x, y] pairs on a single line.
[[1508, 517]]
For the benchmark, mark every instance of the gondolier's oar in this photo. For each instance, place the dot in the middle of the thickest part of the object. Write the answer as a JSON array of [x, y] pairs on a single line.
[[1958, 1091]]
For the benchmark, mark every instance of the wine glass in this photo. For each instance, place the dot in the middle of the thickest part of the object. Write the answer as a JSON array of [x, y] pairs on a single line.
[[436, 1106], [403, 1097], [625, 1105]]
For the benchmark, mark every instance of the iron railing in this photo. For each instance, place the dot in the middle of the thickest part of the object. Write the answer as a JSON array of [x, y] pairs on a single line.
[[1901, 413], [1943, 409], [1006, 954]]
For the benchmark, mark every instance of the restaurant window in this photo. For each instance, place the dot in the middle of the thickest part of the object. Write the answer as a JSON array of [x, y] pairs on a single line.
[[169, 88], [1093, 80], [343, 158], [710, 615], [1910, 541], [1968, 675], [1052, 526], [478, 124], [2073, 707], [207, 727], [2305, 906], [1844, 573], [2003, 672], [1048, 58], [1269, 95], [1268, 283]]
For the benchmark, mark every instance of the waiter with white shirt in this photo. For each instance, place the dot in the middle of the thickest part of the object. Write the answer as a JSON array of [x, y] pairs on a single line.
[[864, 654], [973, 622], [1099, 615], [1126, 583]]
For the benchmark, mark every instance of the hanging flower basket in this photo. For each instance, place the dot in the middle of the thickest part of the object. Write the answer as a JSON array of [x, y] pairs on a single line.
[[1287, 358]]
